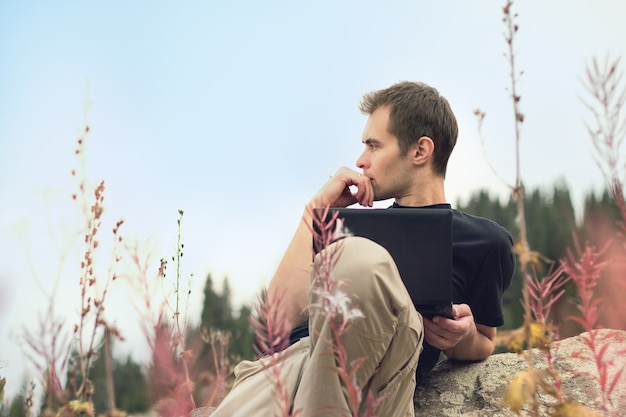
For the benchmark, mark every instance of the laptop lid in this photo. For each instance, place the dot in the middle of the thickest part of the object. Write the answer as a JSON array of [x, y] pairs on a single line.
[[419, 241]]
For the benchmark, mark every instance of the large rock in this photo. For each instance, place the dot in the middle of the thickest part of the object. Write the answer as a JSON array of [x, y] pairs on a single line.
[[477, 389]]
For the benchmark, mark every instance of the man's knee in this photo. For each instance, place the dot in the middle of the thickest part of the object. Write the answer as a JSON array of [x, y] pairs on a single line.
[[366, 271]]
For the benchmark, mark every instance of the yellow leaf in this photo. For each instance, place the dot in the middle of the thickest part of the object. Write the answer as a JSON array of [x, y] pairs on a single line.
[[526, 255], [572, 408], [540, 336], [84, 407], [517, 341], [513, 340], [522, 389], [3, 382]]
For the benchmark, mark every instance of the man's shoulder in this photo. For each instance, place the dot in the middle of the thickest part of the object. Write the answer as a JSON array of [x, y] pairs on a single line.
[[470, 226]]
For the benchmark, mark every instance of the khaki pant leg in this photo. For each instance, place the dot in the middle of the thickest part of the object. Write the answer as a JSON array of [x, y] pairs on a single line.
[[389, 337], [254, 391]]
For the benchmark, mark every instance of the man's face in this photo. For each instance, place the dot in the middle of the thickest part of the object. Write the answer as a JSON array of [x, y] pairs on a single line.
[[382, 162]]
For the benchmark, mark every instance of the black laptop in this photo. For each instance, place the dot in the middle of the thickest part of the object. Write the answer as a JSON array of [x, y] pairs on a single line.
[[420, 242]]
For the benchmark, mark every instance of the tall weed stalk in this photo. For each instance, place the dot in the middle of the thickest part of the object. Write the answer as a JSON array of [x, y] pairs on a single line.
[[170, 374], [540, 294], [67, 386]]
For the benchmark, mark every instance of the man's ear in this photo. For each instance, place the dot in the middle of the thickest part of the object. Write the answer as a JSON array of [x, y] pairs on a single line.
[[423, 150]]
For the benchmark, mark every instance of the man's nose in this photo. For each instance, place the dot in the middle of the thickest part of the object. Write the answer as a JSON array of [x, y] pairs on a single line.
[[361, 162]]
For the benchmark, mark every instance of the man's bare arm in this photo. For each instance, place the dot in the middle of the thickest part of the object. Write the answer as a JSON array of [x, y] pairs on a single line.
[[290, 283], [478, 346]]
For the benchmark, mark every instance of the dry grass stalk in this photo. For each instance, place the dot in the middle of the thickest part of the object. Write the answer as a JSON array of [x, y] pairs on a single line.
[[92, 324], [539, 295], [49, 348], [171, 382]]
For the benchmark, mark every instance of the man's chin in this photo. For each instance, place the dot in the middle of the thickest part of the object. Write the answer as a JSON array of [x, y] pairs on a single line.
[[380, 196]]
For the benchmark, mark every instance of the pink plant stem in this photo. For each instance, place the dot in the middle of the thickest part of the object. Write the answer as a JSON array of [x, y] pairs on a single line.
[[344, 367], [585, 272], [275, 331]]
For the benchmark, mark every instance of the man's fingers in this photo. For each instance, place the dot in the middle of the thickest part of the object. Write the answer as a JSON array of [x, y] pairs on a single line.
[[435, 339], [366, 191], [461, 310], [340, 189], [429, 324]]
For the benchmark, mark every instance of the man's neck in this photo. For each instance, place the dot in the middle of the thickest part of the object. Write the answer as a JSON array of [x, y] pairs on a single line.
[[419, 202], [426, 194]]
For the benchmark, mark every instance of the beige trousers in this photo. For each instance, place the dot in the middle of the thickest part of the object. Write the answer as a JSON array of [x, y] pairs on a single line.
[[389, 337]]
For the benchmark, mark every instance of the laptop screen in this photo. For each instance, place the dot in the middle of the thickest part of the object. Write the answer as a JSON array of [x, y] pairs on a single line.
[[420, 242]]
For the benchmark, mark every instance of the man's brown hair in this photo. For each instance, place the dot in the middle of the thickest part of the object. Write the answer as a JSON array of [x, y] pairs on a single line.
[[417, 110]]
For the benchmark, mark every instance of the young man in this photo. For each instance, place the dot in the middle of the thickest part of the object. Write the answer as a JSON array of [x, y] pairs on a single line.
[[408, 138]]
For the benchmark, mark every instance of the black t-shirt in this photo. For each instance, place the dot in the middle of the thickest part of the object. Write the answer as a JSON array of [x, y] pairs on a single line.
[[482, 268]]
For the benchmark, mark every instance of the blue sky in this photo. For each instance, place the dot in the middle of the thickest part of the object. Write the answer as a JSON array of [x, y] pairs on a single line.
[[236, 112]]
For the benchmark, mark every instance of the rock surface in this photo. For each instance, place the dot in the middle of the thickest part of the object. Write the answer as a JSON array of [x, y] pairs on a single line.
[[476, 389]]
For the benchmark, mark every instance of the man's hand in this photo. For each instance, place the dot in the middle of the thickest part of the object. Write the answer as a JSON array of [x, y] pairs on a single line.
[[462, 338], [337, 193], [444, 333]]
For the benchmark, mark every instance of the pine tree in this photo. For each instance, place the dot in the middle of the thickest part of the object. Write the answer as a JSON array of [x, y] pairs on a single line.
[[131, 387], [17, 406], [243, 335], [216, 311]]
